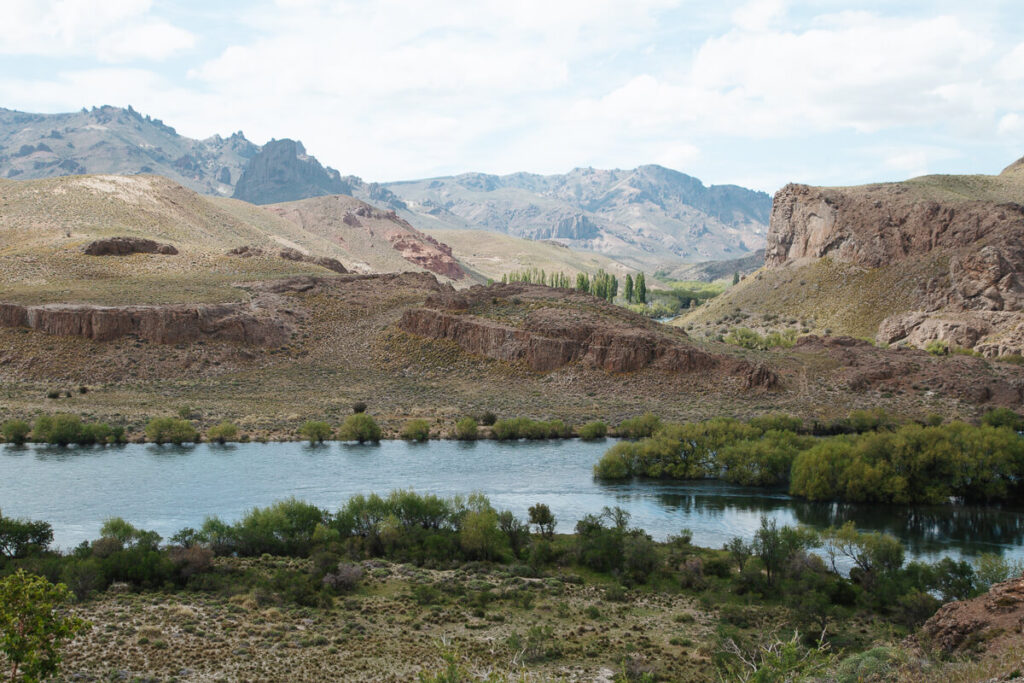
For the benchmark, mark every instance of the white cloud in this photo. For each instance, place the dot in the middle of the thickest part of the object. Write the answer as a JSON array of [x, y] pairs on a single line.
[[110, 30]]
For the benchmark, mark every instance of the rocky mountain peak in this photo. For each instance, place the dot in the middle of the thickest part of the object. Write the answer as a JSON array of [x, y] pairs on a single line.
[[282, 172]]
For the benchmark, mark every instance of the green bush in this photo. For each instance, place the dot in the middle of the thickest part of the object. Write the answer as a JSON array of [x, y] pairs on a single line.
[[315, 431], [171, 430], [1003, 417], [15, 431], [222, 433], [525, 428], [592, 431], [359, 427], [937, 347], [60, 429], [748, 339], [465, 429], [639, 427], [416, 430]]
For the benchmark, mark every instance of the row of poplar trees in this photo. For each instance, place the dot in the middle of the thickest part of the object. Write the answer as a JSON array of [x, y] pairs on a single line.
[[602, 285]]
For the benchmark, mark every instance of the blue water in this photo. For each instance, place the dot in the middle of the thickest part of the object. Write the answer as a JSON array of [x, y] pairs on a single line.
[[165, 488]]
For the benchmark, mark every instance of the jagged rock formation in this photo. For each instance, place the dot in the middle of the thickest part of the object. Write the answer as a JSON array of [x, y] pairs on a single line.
[[988, 622], [560, 327], [283, 172], [322, 261], [123, 246], [115, 140], [360, 228], [970, 229]]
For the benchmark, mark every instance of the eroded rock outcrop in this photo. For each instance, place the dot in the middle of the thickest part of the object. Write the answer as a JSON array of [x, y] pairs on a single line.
[[264, 321], [551, 330], [290, 254], [123, 246], [988, 622], [283, 172], [975, 292]]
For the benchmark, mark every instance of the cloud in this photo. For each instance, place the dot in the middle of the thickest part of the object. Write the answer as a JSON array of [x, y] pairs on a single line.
[[111, 30]]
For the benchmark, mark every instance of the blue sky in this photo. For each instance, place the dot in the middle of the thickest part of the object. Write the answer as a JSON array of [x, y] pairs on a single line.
[[757, 93]]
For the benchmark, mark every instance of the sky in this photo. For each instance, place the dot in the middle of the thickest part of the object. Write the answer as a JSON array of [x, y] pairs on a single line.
[[757, 93]]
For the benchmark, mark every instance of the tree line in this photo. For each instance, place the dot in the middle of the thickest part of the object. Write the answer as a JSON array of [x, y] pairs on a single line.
[[866, 459]]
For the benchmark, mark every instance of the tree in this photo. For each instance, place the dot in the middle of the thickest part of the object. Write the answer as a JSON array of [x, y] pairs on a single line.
[[223, 432], [629, 288], [641, 288], [736, 277], [540, 515], [359, 427], [518, 534], [32, 628], [20, 537], [15, 431], [315, 431]]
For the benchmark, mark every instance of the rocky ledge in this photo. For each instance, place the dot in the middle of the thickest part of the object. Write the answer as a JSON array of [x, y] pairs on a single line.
[[266, 320], [548, 329], [988, 622], [290, 254], [123, 246]]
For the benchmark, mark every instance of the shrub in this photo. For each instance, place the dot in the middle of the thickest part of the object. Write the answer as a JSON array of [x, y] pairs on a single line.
[[639, 427], [60, 429], [592, 431], [359, 427], [525, 428], [416, 430], [358, 407], [222, 433], [345, 579], [171, 430], [465, 429], [937, 347], [541, 515], [1003, 417], [617, 462], [21, 537], [315, 431], [15, 431], [488, 418]]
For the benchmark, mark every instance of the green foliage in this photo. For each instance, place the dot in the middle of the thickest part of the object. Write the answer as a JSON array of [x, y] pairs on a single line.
[[749, 339], [22, 537], [937, 347], [63, 429], [285, 528], [359, 407], [416, 430], [990, 569], [872, 665], [736, 277], [359, 427], [592, 431], [171, 430], [128, 536], [914, 464], [15, 431], [465, 429], [223, 432], [604, 286], [628, 288], [639, 427], [542, 517], [315, 431], [1003, 417], [525, 428], [640, 288], [538, 277], [33, 625], [605, 543]]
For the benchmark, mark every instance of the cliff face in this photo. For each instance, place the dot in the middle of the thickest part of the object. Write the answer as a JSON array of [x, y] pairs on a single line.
[[264, 321], [556, 329], [970, 227], [283, 172]]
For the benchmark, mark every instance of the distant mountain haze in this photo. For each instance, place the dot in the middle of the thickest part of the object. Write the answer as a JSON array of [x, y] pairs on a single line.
[[649, 217]]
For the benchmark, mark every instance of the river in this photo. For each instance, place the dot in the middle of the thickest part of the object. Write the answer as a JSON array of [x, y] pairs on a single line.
[[166, 488]]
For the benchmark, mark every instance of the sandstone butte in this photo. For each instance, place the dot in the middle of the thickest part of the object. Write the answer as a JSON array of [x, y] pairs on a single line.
[[971, 226]]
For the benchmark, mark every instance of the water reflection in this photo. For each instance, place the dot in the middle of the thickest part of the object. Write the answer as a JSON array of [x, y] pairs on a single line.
[[165, 488]]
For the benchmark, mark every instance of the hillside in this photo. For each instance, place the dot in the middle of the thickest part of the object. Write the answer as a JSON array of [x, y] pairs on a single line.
[[933, 258], [46, 224], [494, 254], [648, 218]]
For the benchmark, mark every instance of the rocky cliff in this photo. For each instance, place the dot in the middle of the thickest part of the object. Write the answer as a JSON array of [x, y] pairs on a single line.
[[547, 329], [968, 229], [283, 172], [264, 321], [988, 622]]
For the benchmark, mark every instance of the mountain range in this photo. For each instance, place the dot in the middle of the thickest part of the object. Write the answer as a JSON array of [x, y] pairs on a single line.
[[649, 217]]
